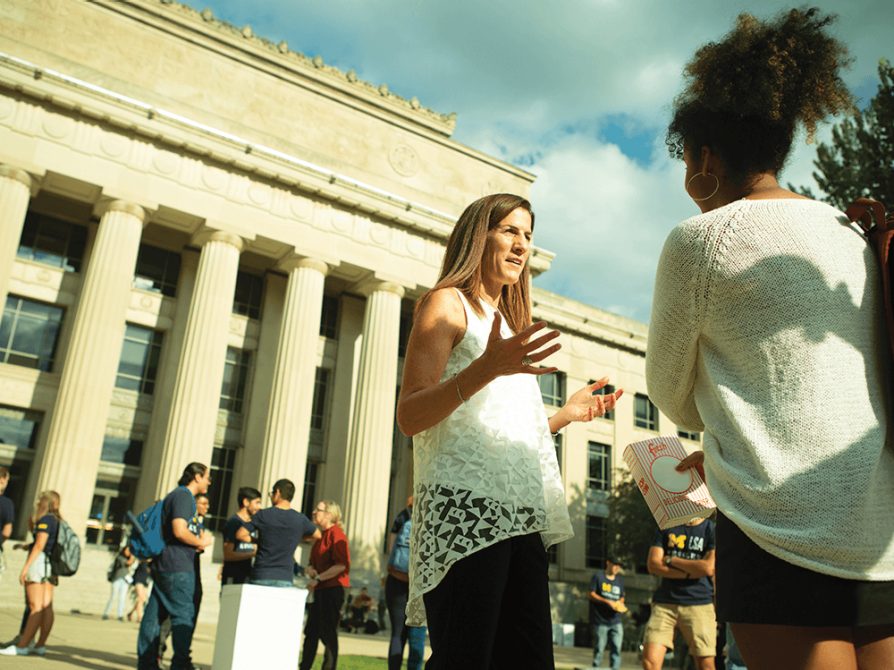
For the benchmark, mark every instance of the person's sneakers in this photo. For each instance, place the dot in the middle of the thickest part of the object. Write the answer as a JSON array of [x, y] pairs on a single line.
[[39, 651], [13, 650]]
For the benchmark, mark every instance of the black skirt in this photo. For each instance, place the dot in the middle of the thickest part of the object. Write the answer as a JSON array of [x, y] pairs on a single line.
[[753, 586]]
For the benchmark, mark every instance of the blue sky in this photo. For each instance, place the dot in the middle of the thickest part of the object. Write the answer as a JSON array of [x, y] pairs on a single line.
[[576, 91]]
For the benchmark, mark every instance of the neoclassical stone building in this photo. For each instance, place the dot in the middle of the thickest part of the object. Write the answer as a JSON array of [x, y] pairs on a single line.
[[210, 246]]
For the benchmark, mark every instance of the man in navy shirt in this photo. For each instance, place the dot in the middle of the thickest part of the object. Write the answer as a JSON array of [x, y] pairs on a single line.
[[7, 513], [174, 575], [683, 556], [606, 605], [280, 530], [237, 555]]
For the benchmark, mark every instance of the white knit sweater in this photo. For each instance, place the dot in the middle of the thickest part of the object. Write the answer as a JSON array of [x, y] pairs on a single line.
[[765, 334]]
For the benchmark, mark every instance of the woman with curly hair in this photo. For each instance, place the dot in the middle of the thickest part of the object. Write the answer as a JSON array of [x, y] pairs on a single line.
[[765, 335]]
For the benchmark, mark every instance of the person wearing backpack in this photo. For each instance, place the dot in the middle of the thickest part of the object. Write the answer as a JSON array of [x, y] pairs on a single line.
[[397, 590], [173, 574], [38, 579], [117, 575]]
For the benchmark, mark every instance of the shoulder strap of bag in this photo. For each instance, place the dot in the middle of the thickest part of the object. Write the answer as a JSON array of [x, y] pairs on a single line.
[[878, 229]]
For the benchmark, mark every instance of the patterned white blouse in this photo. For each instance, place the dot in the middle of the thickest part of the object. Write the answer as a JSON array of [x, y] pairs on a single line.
[[486, 473]]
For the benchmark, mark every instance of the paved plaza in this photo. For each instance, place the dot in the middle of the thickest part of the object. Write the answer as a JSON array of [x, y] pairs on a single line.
[[86, 641]]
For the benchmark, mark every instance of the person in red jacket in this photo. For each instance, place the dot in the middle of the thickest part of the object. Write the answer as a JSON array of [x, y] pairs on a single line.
[[330, 563]]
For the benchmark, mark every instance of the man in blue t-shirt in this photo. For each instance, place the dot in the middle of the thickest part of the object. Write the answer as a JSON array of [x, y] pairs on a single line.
[[683, 556], [606, 605], [237, 555], [7, 513], [280, 530], [173, 573]]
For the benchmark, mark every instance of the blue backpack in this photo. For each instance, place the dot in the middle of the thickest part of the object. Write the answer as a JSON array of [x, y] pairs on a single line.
[[146, 538], [400, 553]]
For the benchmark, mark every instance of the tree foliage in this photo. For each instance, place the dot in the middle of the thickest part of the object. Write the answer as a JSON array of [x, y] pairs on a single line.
[[630, 527], [860, 159]]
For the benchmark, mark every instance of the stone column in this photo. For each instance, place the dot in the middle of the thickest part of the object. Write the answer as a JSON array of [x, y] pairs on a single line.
[[368, 460], [288, 419], [195, 400], [74, 441], [15, 192]]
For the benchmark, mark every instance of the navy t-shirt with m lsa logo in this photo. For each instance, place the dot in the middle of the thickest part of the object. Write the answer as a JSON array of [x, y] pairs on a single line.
[[691, 543]]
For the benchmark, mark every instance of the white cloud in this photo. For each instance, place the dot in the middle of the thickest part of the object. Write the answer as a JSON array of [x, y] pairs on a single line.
[[530, 82]]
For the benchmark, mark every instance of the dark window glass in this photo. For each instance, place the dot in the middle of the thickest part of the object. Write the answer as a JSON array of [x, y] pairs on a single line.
[[157, 270], [552, 388], [18, 427], [29, 332], [599, 475], [232, 392], [247, 300], [595, 541], [318, 410], [124, 450], [329, 317], [140, 353], [309, 494], [689, 435], [53, 242], [406, 324], [645, 414], [223, 459]]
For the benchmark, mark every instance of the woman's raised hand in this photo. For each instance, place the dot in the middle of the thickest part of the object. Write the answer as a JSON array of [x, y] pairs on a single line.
[[519, 353], [583, 405]]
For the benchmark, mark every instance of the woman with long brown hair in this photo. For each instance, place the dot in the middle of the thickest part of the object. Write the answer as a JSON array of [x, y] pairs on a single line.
[[487, 488], [38, 579]]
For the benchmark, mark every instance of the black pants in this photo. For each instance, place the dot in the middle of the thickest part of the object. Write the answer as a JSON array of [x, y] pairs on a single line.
[[492, 610], [322, 624]]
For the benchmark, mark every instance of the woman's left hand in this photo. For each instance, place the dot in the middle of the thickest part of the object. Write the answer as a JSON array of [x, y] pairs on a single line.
[[583, 405]]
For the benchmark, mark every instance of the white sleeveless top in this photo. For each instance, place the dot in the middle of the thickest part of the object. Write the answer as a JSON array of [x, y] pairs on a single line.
[[484, 474]]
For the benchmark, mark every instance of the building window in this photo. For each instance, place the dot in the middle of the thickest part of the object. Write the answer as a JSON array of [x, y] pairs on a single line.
[[688, 435], [28, 333], [124, 450], [318, 411], [557, 442], [247, 300], [552, 388], [138, 366], [605, 390], [406, 325], [645, 413], [599, 476], [18, 427], [232, 391], [223, 458], [595, 541], [53, 242], [157, 270], [329, 317], [309, 493]]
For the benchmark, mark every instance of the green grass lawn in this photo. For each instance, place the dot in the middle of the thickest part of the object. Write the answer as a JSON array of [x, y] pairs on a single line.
[[354, 663]]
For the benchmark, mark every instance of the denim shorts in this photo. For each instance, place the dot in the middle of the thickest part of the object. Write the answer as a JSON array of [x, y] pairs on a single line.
[[39, 571], [279, 583]]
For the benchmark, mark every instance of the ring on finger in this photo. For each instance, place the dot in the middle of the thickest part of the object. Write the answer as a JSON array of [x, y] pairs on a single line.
[[527, 361]]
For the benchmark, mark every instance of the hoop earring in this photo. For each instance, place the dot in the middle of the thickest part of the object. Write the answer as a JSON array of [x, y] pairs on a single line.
[[707, 174]]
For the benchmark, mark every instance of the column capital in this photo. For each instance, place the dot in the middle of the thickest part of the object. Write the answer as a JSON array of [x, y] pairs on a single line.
[[10, 172], [125, 206], [206, 235], [293, 262], [372, 285]]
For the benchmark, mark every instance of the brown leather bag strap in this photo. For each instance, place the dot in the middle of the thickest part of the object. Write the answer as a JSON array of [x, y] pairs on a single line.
[[878, 228]]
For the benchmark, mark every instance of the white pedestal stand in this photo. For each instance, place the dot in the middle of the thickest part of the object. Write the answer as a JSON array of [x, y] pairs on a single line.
[[259, 627]]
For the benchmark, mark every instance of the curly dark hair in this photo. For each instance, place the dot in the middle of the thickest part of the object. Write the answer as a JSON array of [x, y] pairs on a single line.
[[746, 94]]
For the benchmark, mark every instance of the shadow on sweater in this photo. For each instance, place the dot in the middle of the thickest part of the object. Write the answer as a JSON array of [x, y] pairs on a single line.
[[779, 336]]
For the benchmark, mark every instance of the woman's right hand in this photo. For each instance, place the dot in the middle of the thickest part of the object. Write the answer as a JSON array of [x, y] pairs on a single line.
[[694, 460], [519, 353]]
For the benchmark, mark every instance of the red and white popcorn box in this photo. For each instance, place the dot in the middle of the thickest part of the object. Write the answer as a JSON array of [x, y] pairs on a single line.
[[674, 497]]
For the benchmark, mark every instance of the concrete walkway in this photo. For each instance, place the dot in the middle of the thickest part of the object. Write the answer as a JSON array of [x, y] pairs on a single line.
[[86, 641]]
